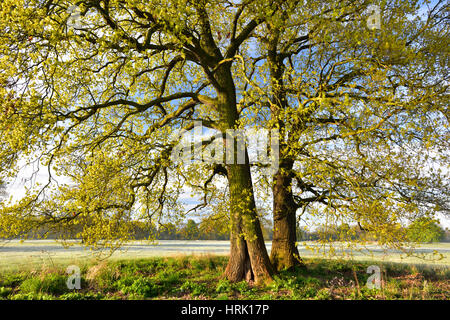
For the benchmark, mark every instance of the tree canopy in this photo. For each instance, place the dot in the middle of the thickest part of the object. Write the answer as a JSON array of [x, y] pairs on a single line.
[[425, 229]]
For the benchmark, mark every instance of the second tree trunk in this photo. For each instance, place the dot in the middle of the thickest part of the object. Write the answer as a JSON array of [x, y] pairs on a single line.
[[284, 254]]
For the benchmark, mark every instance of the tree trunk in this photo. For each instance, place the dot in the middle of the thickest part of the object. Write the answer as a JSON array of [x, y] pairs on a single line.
[[239, 266], [249, 259], [248, 254], [284, 253]]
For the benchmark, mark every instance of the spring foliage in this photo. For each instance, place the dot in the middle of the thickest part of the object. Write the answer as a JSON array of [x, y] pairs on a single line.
[[363, 114]]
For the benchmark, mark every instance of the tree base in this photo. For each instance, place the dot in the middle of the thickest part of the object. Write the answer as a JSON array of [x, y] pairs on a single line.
[[283, 258], [242, 268]]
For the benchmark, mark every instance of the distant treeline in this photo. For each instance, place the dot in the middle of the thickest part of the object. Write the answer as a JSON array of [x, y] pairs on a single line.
[[420, 231], [190, 230], [423, 230]]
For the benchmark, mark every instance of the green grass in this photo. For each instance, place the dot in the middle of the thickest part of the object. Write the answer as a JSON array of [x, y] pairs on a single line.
[[199, 277], [33, 254]]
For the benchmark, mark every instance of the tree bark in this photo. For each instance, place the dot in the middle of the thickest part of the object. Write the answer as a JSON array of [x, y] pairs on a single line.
[[248, 255], [249, 259], [284, 253], [239, 266]]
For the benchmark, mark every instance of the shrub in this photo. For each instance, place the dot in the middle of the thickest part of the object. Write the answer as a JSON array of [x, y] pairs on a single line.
[[167, 280], [4, 292], [169, 276], [425, 229], [50, 283], [323, 294], [194, 288], [242, 287], [140, 286], [11, 279], [224, 286]]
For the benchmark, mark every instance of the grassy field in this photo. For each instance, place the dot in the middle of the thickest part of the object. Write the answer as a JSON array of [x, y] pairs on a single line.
[[34, 254], [192, 270], [199, 277]]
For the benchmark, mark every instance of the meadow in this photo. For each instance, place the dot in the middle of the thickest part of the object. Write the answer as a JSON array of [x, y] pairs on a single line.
[[192, 270], [31, 254]]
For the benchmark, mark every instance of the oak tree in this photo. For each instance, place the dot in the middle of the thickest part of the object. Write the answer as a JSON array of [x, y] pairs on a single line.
[[93, 90]]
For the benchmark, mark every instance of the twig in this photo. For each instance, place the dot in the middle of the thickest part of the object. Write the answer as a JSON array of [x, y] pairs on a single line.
[[357, 283]]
